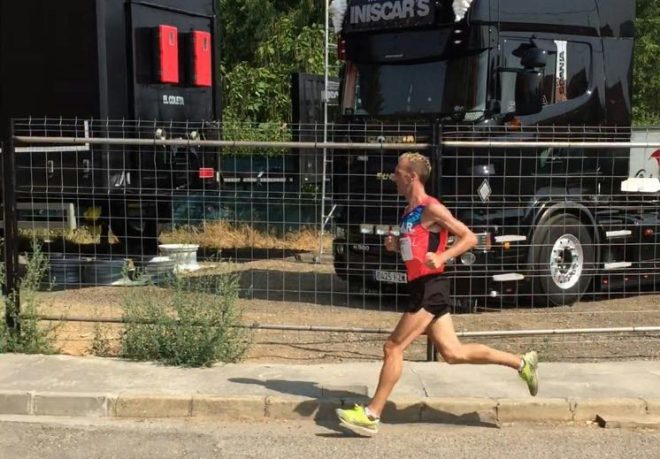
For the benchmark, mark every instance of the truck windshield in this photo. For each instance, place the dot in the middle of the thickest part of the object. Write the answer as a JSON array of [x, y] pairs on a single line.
[[443, 87]]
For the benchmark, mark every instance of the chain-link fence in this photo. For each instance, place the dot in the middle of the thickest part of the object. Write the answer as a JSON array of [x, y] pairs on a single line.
[[562, 215]]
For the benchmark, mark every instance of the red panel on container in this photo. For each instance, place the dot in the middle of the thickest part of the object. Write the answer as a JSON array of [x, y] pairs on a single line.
[[206, 172], [201, 44], [168, 50]]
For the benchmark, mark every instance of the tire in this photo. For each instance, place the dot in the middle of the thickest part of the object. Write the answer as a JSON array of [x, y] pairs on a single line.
[[563, 259]]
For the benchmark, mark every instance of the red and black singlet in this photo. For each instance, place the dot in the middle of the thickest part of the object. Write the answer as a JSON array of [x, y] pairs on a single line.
[[415, 241]]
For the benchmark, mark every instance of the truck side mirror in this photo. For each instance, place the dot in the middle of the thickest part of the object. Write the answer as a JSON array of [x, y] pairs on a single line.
[[534, 58], [529, 92]]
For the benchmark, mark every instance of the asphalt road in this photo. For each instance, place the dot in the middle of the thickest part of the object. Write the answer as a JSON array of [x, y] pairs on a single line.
[[32, 437]]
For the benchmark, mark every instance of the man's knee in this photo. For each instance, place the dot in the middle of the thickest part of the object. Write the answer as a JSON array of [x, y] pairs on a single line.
[[392, 349], [453, 355]]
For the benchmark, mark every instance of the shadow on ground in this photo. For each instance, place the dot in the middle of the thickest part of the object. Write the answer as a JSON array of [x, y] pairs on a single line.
[[325, 400], [312, 287]]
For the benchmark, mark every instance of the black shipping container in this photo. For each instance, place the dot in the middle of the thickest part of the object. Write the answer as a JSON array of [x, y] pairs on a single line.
[[153, 64]]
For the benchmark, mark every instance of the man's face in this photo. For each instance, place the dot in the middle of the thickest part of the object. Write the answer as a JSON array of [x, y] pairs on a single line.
[[402, 177]]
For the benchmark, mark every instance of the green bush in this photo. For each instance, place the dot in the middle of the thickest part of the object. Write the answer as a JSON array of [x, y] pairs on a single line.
[[31, 338], [100, 342], [192, 322], [4, 334]]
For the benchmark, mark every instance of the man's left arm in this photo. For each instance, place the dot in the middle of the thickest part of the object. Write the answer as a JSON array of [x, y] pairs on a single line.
[[466, 239]]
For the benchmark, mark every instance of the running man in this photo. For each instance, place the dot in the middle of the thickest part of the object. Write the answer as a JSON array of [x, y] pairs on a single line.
[[422, 244]]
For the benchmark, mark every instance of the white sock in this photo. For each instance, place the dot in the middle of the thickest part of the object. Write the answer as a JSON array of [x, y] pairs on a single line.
[[522, 365], [369, 413]]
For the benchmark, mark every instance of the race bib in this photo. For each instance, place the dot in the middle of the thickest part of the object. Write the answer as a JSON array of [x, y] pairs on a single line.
[[405, 247]]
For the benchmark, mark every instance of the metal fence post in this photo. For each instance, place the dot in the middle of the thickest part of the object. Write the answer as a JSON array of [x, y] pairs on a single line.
[[10, 287], [431, 354], [436, 190]]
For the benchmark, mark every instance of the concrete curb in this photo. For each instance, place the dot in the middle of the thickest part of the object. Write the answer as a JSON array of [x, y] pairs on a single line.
[[626, 422], [470, 411]]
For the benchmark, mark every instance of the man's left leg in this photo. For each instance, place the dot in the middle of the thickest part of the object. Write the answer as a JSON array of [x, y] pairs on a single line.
[[366, 419], [443, 335]]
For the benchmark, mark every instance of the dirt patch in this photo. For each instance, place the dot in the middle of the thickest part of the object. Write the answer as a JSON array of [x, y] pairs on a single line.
[[221, 235], [286, 292]]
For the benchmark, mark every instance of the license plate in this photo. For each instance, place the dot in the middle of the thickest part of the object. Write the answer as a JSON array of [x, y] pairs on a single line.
[[391, 277]]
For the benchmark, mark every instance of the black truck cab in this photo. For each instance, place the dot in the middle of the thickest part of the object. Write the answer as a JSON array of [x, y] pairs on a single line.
[[508, 70]]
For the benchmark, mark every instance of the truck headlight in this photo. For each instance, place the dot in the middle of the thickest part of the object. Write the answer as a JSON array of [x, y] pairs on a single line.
[[366, 229], [468, 258], [387, 230]]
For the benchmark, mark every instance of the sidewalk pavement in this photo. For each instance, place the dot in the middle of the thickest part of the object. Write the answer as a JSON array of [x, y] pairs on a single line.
[[428, 392]]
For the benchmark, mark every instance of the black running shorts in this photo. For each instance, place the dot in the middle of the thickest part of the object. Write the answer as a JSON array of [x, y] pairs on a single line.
[[431, 293]]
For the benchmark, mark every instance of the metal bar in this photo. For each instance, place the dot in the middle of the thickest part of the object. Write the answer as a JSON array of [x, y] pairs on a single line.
[[431, 354], [325, 125], [384, 331], [10, 217], [220, 143], [546, 144], [329, 216], [335, 145], [64, 149]]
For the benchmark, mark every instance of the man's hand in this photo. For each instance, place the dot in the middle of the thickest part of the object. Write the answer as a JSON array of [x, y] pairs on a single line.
[[434, 260], [391, 244]]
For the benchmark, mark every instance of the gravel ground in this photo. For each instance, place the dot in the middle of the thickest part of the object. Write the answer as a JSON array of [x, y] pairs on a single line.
[[285, 292], [97, 438]]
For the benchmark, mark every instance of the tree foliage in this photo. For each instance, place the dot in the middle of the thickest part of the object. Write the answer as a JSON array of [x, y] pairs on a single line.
[[264, 41], [277, 38], [646, 103]]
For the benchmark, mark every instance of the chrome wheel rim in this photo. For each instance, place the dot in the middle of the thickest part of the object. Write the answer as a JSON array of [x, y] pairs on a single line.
[[566, 261]]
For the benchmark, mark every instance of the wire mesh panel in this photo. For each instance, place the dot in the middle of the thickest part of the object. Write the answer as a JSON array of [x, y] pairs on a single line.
[[102, 205], [561, 214]]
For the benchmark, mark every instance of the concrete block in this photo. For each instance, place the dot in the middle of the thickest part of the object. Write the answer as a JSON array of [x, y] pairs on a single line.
[[588, 409], [463, 411], [153, 406], [628, 422], [15, 402], [534, 410], [403, 410], [69, 404], [112, 405], [344, 392], [653, 406], [349, 402], [236, 408], [286, 408]]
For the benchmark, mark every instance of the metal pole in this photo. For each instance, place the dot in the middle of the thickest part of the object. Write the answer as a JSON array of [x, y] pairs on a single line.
[[335, 145], [546, 144], [10, 287], [382, 331], [436, 162], [219, 143], [325, 128], [431, 354]]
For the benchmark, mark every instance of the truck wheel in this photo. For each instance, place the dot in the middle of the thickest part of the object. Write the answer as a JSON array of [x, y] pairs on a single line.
[[563, 258]]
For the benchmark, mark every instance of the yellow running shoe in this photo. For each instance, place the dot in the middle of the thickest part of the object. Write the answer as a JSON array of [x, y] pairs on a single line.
[[528, 372], [357, 420]]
